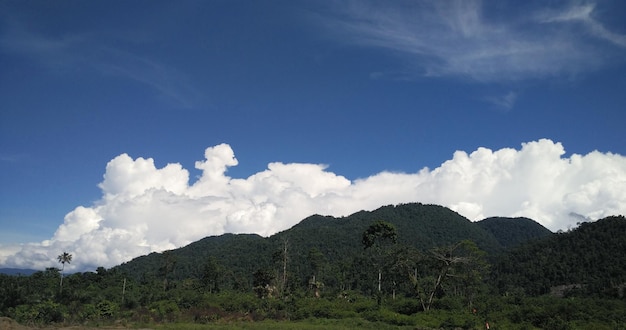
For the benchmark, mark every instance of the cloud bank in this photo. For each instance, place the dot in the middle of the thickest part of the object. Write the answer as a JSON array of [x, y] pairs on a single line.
[[144, 208], [480, 41]]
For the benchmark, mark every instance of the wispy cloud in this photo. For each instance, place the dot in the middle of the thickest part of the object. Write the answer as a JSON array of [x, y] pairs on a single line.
[[456, 38], [584, 14], [89, 52], [12, 158], [504, 102], [167, 81]]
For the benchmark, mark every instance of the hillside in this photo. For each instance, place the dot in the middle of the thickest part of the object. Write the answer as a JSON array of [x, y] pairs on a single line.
[[510, 232], [338, 239], [420, 226], [591, 258], [242, 254], [282, 277]]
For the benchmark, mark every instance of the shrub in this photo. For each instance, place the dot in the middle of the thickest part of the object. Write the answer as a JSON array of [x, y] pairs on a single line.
[[42, 313], [164, 310], [405, 306], [387, 316], [107, 309]]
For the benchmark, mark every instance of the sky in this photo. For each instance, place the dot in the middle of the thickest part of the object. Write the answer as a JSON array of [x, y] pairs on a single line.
[[128, 127]]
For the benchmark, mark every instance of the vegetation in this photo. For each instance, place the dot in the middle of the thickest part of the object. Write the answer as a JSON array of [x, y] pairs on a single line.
[[63, 259], [414, 266]]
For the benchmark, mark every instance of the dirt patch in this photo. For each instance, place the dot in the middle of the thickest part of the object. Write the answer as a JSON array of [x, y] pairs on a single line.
[[9, 324]]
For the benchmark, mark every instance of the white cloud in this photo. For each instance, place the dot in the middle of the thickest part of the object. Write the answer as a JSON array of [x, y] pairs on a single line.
[[584, 14], [144, 208], [460, 38]]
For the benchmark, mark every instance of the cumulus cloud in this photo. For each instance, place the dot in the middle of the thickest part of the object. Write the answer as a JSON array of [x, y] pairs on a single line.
[[144, 208], [476, 40]]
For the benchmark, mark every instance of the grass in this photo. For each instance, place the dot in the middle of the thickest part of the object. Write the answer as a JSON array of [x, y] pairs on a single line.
[[353, 323]]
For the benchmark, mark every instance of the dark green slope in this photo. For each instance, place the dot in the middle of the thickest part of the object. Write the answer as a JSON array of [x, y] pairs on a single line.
[[418, 225], [338, 239], [592, 255], [242, 254], [510, 232]]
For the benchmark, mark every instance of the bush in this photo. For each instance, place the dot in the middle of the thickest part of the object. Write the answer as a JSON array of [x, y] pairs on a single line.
[[164, 310], [88, 312], [387, 316], [107, 309], [406, 306], [42, 313]]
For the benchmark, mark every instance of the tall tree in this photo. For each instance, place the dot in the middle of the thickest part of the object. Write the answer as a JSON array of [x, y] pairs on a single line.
[[379, 237], [317, 260], [280, 258], [63, 258], [169, 261], [463, 263], [211, 275]]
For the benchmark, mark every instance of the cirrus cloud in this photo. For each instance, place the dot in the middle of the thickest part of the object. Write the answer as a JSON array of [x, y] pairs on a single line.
[[144, 208], [479, 41]]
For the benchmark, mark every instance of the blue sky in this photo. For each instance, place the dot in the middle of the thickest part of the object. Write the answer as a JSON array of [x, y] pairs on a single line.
[[355, 90]]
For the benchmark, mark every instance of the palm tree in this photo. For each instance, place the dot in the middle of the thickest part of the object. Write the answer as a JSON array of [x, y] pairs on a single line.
[[63, 258]]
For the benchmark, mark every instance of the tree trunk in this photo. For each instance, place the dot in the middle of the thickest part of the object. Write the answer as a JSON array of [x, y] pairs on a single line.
[[61, 283], [284, 284]]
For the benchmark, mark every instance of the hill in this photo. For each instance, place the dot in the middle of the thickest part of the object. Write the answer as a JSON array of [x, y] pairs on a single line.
[[420, 226], [337, 239], [283, 277], [17, 271], [510, 232], [590, 259]]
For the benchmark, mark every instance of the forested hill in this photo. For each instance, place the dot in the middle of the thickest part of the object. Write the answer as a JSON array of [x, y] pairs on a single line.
[[418, 225], [513, 231], [337, 239], [243, 253], [590, 259]]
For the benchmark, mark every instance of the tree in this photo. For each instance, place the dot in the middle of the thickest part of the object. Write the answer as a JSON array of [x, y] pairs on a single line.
[[379, 237], [463, 263], [211, 275], [262, 282], [468, 275], [169, 261], [63, 259], [317, 260], [281, 257]]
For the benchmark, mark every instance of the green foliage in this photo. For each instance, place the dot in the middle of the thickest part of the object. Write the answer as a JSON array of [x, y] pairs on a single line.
[[212, 275], [589, 260], [329, 308], [326, 279], [45, 312], [387, 316], [512, 232], [106, 309], [338, 240], [88, 312], [164, 310], [380, 233]]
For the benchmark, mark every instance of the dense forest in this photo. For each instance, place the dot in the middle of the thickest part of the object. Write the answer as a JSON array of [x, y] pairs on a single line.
[[415, 265]]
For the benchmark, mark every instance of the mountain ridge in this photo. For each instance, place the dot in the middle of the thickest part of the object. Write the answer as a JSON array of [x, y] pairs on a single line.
[[421, 226]]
